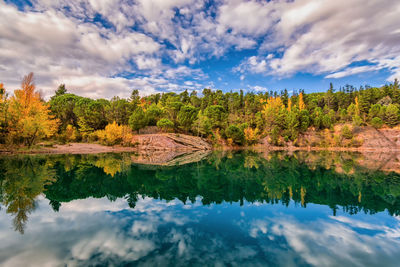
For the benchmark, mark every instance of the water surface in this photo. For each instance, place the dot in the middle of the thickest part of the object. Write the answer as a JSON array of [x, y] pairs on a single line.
[[232, 209]]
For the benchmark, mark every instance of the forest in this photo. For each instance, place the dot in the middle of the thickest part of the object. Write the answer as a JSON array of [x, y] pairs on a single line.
[[231, 118]]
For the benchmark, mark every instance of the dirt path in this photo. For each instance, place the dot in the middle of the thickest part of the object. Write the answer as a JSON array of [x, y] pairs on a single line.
[[81, 148]]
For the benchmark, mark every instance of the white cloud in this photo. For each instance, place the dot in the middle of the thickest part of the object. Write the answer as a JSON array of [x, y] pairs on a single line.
[[252, 64], [246, 17], [327, 36], [65, 40], [351, 71]]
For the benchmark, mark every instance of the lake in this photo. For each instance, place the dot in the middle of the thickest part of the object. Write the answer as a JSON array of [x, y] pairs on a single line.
[[222, 209]]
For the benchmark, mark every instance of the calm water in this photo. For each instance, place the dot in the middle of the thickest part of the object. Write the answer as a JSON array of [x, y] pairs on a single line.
[[234, 209]]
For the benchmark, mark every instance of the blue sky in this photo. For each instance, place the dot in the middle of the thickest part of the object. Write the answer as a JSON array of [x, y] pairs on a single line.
[[109, 47]]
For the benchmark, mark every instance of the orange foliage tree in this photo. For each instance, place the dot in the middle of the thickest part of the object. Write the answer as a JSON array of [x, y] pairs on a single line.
[[30, 118], [301, 102]]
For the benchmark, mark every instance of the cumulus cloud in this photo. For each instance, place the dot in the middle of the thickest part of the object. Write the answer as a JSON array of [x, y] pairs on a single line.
[[325, 37], [252, 64], [140, 43]]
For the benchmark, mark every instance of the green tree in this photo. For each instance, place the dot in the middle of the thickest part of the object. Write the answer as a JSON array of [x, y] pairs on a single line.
[[165, 125], [61, 90], [186, 116], [392, 115], [91, 114], [153, 114], [118, 111], [137, 120], [377, 122], [236, 134], [216, 115]]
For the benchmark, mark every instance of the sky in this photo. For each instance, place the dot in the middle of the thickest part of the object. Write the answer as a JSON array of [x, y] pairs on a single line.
[[106, 48]]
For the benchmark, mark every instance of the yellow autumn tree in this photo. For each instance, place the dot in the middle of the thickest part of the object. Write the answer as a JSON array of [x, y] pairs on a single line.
[[30, 118], [251, 135], [271, 110], [357, 106], [289, 105], [301, 102], [115, 134]]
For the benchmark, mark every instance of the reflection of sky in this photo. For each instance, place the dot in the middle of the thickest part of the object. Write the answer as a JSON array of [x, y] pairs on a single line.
[[94, 231]]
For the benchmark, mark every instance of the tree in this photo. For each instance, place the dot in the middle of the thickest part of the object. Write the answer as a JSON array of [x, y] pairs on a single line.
[[30, 117], [91, 114], [186, 116], [153, 114], [165, 125], [251, 135], [236, 134], [61, 90], [216, 115], [135, 98], [302, 106], [203, 124], [271, 110], [3, 113], [137, 120], [63, 108], [329, 97], [392, 115], [118, 110], [375, 111]]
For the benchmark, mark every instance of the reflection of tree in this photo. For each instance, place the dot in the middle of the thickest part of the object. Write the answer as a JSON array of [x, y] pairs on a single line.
[[112, 164], [23, 180], [275, 178], [279, 178]]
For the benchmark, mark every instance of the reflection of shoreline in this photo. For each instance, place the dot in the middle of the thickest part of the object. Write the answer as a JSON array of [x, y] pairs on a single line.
[[387, 162], [325, 178], [169, 158]]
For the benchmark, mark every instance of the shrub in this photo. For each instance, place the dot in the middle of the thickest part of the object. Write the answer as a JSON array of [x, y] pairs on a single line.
[[251, 135], [376, 122], [71, 133], [113, 134], [357, 121], [346, 132], [235, 133], [165, 125]]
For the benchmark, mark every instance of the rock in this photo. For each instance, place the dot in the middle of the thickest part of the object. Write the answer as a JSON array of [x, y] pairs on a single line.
[[169, 158], [170, 141]]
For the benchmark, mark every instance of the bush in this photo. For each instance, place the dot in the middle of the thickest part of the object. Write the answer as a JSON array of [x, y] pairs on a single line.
[[235, 134], [251, 135], [377, 122], [346, 132], [165, 125], [71, 134], [357, 121], [113, 134]]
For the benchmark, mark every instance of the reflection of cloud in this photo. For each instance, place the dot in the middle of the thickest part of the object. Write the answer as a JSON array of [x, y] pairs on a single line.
[[330, 243], [97, 231]]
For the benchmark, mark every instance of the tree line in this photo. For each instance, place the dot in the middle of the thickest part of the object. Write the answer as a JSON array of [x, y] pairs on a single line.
[[236, 118]]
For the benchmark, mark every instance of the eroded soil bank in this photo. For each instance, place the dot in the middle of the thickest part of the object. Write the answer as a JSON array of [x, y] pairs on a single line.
[[368, 139]]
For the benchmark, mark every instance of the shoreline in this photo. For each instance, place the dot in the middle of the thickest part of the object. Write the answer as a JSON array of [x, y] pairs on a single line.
[[93, 148]]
